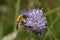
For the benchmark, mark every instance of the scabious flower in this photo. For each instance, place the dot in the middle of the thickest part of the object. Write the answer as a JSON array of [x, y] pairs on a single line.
[[35, 20]]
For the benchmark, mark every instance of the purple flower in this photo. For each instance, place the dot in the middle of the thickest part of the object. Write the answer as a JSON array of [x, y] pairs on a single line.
[[35, 20]]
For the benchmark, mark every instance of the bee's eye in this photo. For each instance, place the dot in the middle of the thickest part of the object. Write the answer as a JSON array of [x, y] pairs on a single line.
[[24, 16]]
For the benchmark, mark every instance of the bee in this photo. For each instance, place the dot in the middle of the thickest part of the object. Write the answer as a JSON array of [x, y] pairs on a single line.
[[20, 21]]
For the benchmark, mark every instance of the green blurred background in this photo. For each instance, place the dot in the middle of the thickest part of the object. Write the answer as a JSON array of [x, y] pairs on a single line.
[[9, 10]]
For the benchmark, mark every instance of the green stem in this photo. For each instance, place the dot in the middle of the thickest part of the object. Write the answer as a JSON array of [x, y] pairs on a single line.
[[51, 27], [1, 26], [49, 12], [53, 10], [16, 13]]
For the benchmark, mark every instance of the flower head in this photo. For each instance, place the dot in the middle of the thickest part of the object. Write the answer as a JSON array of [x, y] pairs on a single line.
[[35, 20]]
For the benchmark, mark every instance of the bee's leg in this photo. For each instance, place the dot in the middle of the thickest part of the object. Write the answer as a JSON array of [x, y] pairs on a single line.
[[17, 25]]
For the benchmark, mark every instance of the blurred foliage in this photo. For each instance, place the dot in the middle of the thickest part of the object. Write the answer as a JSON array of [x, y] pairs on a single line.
[[9, 10]]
